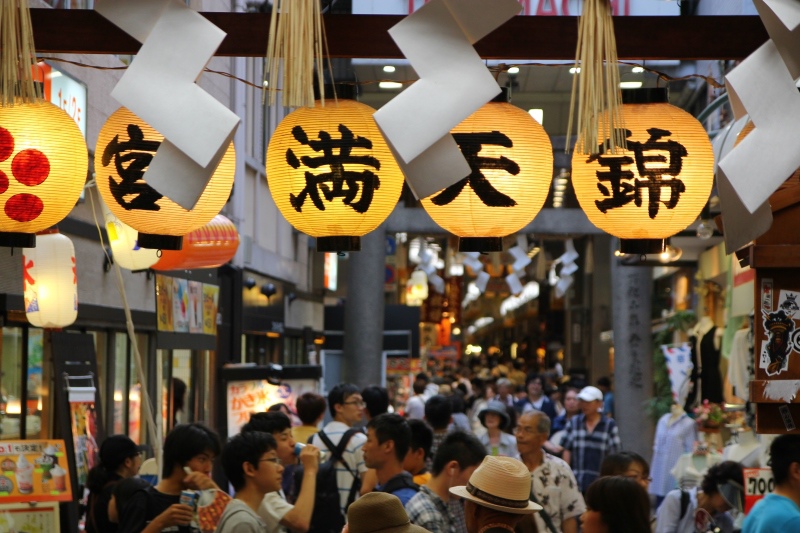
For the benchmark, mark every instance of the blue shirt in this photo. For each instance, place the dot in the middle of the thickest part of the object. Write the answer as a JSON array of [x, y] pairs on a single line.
[[773, 514], [588, 449]]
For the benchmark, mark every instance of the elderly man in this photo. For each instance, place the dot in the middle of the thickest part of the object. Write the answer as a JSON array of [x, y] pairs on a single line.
[[553, 483]]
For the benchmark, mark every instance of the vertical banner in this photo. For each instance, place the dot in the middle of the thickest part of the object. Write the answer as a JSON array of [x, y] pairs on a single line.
[[180, 305], [83, 420], [210, 308], [164, 302], [679, 368], [195, 307]]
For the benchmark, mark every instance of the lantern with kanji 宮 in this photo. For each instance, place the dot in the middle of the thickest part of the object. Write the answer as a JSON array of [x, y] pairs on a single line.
[[331, 173], [43, 167], [658, 185], [50, 282], [511, 159], [211, 246], [125, 147]]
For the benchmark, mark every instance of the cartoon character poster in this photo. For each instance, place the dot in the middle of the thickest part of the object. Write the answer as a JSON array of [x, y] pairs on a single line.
[[783, 336], [195, 307], [180, 305]]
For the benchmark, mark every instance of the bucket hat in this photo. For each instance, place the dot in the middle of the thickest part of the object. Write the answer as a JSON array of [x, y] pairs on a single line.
[[497, 407], [379, 512], [500, 483]]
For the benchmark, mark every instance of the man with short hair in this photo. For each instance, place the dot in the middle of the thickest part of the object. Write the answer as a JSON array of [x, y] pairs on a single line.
[[310, 408], [553, 484], [376, 401], [433, 507], [415, 406], [418, 451], [347, 408], [438, 415], [252, 466], [589, 438], [388, 438], [779, 512], [276, 512]]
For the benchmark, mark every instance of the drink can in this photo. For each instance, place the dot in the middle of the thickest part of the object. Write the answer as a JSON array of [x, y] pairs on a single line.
[[298, 447], [188, 497]]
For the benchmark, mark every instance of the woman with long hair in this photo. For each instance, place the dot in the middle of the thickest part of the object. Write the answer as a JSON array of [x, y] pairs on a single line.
[[120, 458], [616, 504]]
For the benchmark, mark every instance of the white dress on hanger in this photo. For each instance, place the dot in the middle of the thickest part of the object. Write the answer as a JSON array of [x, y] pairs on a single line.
[[671, 442]]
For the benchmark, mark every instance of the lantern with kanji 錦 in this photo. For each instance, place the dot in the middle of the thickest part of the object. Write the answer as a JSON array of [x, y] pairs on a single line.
[[50, 282], [511, 159], [331, 173], [658, 185], [211, 246], [43, 166], [125, 147]]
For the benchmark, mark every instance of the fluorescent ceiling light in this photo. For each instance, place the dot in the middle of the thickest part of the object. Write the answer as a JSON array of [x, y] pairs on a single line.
[[389, 68], [393, 85], [630, 85], [575, 70], [637, 70], [537, 114], [513, 70]]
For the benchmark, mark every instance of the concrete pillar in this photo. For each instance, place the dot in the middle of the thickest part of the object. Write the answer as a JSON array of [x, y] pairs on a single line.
[[363, 312], [633, 353]]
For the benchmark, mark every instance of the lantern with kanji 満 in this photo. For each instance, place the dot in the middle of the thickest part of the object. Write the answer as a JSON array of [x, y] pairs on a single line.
[[50, 282], [658, 185], [331, 173], [123, 239], [43, 167], [211, 246], [125, 146], [511, 159]]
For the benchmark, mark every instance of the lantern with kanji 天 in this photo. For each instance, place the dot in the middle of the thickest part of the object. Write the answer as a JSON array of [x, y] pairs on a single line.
[[125, 249], [211, 246], [331, 173], [658, 185], [43, 166], [511, 159], [125, 147], [50, 282]]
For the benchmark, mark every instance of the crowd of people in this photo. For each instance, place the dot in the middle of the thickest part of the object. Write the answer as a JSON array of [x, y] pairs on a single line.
[[468, 456]]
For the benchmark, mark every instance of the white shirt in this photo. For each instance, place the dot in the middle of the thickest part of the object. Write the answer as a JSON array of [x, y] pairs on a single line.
[[353, 455], [272, 510], [415, 407], [557, 491]]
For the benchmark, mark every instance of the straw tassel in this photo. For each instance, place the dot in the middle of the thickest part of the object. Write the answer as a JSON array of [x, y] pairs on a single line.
[[18, 55]]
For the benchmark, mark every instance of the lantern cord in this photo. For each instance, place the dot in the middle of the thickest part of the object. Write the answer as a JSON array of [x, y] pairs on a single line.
[[17, 56], [137, 356]]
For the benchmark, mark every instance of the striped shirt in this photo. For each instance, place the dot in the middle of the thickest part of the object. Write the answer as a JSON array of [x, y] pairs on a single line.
[[589, 449], [353, 456]]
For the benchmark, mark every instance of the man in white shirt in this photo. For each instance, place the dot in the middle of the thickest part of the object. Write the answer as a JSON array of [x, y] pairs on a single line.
[[415, 406]]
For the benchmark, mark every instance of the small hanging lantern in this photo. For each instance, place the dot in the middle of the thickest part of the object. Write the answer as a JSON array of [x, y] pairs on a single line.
[[416, 288], [658, 185], [50, 282], [331, 173], [125, 146], [512, 163], [211, 246], [125, 249]]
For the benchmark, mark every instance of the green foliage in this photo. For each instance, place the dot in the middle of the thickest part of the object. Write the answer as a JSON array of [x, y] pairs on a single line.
[[661, 402]]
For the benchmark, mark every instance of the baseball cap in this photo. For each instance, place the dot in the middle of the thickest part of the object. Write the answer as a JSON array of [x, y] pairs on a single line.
[[115, 449], [590, 394]]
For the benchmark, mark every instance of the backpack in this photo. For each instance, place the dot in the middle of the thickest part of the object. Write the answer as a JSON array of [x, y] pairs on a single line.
[[684, 502], [327, 516], [403, 481]]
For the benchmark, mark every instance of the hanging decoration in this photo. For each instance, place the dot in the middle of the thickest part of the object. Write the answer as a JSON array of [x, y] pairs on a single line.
[[416, 288], [595, 86], [211, 246], [125, 147], [50, 282], [564, 278], [43, 157], [658, 185], [331, 173], [123, 239], [511, 160]]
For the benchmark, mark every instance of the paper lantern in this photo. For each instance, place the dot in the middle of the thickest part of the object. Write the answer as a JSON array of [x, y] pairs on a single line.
[[655, 188], [125, 146], [331, 173], [416, 288], [50, 282], [125, 249], [43, 166], [511, 159], [211, 246]]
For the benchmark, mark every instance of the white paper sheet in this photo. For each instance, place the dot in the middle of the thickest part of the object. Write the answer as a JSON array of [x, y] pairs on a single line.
[[514, 284], [739, 226]]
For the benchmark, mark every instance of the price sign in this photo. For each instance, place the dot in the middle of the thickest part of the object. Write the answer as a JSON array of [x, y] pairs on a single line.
[[757, 483]]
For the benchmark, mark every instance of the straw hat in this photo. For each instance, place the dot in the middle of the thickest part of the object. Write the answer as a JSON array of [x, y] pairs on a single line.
[[497, 407], [379, 511], [499, 483]]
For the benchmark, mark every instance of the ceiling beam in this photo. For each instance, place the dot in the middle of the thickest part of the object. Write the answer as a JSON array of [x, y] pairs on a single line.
[[365, 36]]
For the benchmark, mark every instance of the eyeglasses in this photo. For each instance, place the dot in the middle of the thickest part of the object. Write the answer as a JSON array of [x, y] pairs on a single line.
[[637, 477], [359, 403], [271, 460]]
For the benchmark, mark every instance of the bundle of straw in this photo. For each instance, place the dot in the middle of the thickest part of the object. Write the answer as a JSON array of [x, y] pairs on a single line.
[[17, 54], [296, 38], [597, 87]]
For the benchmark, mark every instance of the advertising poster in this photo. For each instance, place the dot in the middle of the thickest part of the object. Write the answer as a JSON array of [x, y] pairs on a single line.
[[180, 305], [247, 397], [210, 303], [84, 431], [34, 471], [195, 307], [164, 302], [22, 518]]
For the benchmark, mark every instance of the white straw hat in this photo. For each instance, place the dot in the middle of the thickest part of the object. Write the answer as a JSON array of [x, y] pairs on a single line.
[[500, 483]]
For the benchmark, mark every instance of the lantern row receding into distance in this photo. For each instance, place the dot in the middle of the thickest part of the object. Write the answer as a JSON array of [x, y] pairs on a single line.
[[655, 188], [331, 173], [125, 146], [50, 282], [512, 164]]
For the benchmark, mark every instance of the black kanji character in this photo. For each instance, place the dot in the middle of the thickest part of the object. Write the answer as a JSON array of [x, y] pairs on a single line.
[[137, 153]]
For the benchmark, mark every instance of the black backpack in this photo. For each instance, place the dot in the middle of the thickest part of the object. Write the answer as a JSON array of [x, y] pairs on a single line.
[[327, 516]]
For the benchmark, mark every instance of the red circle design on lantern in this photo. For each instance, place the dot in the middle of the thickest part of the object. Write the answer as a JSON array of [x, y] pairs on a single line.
[[30, 167], [24, 207], [3, 182], [6, 144]]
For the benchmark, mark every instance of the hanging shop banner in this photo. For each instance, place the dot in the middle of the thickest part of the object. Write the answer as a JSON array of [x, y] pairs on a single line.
[[184, 306], [83, 418], [248, 397], [195, 307], [758, 482], [34, 471], [210, 308], [22, 517]]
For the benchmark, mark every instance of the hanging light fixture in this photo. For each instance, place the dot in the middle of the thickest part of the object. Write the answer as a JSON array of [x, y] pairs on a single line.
[[331, 173], [658, 185], [50, 282], [125, 249], [125, 146], [511, 159], [211, 246]]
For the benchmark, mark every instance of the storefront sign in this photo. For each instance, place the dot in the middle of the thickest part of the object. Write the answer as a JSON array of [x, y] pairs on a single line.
[[758, 482], [34, 471], [248, 397], [21, 517], [65, 92]]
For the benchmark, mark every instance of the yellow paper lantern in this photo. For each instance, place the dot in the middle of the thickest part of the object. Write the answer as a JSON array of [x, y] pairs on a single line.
[[50, 282], [512, 165], [125, 249], [43, 166], [331, 173], [125, 146], [655, 188]]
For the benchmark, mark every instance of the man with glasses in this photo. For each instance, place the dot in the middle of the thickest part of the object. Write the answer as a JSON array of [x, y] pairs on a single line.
[[553, 485], [779, 512], [275, 511]]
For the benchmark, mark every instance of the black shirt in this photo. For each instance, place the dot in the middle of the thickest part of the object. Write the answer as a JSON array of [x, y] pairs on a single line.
[[97, 515], [144, 506]]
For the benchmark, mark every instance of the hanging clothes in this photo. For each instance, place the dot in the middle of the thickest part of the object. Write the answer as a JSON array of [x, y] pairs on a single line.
[[671, 442]]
